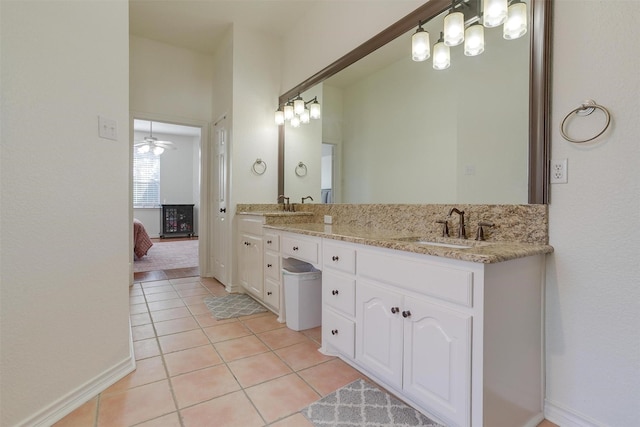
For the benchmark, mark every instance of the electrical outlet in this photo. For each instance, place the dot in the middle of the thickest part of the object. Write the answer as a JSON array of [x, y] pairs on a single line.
[[328, 219], [558, 171]]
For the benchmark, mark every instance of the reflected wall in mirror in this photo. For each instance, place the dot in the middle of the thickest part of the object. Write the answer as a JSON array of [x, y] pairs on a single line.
[[403, 132]]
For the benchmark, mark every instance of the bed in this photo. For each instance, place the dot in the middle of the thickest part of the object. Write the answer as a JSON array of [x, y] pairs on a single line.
[[141, 240]]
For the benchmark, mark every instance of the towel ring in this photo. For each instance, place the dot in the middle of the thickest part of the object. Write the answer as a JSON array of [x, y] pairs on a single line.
[[585, 109], [301, 169], [259, 167]]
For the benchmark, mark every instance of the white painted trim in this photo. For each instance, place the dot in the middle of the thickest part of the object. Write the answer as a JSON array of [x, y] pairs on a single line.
[[566, 417], [78, 397]]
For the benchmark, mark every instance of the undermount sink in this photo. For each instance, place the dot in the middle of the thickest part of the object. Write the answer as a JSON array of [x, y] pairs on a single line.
[[444, 245]]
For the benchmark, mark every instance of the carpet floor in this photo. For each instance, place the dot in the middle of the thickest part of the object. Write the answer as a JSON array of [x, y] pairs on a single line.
[[168, 255]]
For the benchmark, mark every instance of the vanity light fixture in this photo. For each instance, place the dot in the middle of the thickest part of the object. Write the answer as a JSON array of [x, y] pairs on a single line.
[[420, 46], [465, 22], [441, 54], [298, 111]]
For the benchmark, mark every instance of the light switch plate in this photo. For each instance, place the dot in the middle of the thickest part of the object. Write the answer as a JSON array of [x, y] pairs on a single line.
[[107, 128]]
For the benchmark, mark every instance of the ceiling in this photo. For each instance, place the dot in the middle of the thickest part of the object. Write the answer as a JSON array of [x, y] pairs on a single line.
[[200, 25]]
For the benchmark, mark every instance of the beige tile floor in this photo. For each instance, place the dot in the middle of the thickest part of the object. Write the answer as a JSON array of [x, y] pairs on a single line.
[[193, 370]]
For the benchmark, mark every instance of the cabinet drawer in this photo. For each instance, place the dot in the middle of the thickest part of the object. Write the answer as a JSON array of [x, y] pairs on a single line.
[[338, 332], [271, 242], [272, 294], [301, 248], [339, 292], [339, 257], [447, 283], [272, 265]]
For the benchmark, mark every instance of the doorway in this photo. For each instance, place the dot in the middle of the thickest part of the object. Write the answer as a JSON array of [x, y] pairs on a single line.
[[166, 170]]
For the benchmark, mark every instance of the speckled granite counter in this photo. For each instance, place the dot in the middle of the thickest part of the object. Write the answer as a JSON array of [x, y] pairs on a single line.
[[483, 252]]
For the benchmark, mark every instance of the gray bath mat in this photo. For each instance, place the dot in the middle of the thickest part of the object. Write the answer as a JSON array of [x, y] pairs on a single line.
[[360, 404], [233, 305]]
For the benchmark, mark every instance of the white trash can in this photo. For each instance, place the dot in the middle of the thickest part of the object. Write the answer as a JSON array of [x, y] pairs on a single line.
[[302, 295]]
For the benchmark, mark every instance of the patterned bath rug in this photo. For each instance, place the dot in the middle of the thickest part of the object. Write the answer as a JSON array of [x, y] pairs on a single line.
[[361, 404], [233, 305]]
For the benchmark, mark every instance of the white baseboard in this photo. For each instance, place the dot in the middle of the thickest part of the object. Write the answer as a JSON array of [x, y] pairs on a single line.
[[78, 397], [565, 417]]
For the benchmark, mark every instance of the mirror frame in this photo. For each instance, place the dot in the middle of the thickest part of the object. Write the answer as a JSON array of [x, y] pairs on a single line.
[[539, 85]]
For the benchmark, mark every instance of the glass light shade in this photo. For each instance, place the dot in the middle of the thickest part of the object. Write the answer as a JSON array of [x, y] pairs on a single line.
[[420, 46], [298, 106], [516, 23], [305, 117], [494, 12], [315, 110], [288, 112], [474, 40], [279, 117], [441, 56], [453, 29], [158, 150], [295, 122], [144, 149]]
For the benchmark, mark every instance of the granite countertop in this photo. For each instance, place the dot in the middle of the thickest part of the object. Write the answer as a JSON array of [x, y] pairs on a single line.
[[486, 252]]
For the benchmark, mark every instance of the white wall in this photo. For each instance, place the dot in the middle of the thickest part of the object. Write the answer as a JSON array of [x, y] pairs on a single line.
[[64, 310], [179, 171], [170, 81], [593, 292]]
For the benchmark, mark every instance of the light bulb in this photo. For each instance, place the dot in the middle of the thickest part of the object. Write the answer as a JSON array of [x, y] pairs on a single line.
[[315, 110], [288, 112], [158, 150], [295, 122], [144, 149], [516, 23], [494, 12], [305, 117], [279, 117], [298, 105], [441, 56], [420, 46], [474, 40], [453, 29]]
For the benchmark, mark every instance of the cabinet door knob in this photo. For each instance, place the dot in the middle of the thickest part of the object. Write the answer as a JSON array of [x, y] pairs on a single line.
[[334, 292], [335, 258], [295, 248], [269, 242], [269, 293], [223, 210], [394, 310], [406, 314], [334, 332], [269, 265]]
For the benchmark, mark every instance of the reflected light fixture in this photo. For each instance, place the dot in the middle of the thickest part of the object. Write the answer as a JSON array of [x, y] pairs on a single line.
[[466, 22], [158, 150], [441, 54], [516, 24], [420, 46], [295, 114]]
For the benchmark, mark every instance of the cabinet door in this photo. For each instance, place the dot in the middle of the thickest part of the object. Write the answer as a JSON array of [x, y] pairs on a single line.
[[437, 359], [250, 266], [379, 331]]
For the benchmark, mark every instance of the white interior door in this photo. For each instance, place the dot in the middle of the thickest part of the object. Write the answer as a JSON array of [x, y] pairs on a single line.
[[221, 262]]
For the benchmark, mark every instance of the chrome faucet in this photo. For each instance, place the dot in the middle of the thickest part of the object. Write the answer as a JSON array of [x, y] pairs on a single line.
[[461, 231], [305, 198], [287, 206]]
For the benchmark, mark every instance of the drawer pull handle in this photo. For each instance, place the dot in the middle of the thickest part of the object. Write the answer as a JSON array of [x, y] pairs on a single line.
[[269, 242], [334, 332], [395, 310], [335, 258], [334, 292], [295, 248], [247, 243], [269, 265], [406, 314], [269, 293]]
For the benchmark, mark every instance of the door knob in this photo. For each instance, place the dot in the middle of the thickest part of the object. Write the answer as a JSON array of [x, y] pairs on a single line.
[[406, 314], [269, 265], [334, 292], [295, 248], [334, 332], [269, 293], [394, 310], [335, 258], [223, 210]]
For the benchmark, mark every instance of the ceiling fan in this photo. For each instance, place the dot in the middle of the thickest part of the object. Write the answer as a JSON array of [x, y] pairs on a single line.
[[151, 143]]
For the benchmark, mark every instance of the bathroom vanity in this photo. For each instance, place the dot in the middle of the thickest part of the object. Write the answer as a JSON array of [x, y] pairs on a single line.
[[454, 331]]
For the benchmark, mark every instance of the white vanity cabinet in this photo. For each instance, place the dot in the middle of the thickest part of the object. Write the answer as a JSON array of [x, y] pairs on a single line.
[[272, 271], [250, 255], [459, 340]]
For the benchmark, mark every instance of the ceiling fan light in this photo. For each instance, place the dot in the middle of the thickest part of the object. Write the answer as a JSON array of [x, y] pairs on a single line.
[[158, 150], [516, 24], [144, 149]]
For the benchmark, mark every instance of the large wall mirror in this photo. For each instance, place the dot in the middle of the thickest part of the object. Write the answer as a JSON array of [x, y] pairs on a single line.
[[397, 131]]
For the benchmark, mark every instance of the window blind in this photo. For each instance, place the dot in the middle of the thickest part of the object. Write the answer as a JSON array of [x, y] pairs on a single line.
[[146, 180]]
